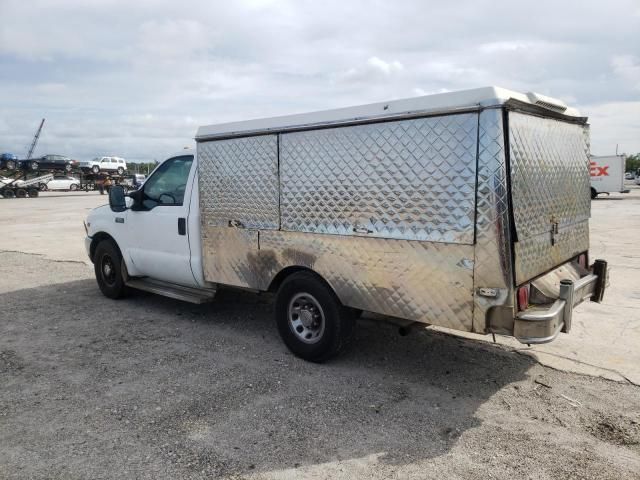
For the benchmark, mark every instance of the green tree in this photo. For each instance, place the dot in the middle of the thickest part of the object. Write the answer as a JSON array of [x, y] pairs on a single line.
[[632, 163]]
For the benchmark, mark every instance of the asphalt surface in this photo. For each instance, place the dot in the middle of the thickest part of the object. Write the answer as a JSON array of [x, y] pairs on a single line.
[[149, 387]]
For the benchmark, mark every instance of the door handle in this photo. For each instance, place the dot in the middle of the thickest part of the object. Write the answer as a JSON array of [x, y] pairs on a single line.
[[182, 226], [236, 224], [361, 229]]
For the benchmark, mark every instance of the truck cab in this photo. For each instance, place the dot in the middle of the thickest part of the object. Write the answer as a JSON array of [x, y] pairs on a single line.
[[156, 230]]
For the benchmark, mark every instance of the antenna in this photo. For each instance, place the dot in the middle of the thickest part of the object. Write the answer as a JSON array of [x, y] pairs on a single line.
[[35, 139]]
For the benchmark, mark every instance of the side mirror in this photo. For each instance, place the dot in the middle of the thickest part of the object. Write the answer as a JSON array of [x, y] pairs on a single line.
[[117, 200]]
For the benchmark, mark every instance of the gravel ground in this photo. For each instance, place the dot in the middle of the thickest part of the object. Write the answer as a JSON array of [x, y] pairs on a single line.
[[149, 387]]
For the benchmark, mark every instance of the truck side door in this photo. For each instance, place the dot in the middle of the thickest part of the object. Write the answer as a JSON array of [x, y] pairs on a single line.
[[157, 228]]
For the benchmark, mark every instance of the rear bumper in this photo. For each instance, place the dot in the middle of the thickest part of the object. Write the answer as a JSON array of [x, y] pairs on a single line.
[[543, 323]]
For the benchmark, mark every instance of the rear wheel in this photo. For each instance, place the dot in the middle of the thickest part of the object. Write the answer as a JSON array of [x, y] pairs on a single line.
[[95, 169], [21, 193], [107, 263], [73, 187], [43, 187], [68, 167], [33, 192], [120, 170], [311, 320], [10, 164], [594, 194], [8, 193], [33, 166]]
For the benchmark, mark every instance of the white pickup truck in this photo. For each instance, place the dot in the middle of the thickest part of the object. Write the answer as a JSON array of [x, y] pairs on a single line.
[[467, 210]]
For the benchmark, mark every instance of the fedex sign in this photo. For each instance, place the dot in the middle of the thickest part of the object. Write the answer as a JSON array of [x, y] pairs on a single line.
[[597, 171]]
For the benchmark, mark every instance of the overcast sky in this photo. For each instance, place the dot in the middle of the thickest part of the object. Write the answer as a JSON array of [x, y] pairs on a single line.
[[135, 78]]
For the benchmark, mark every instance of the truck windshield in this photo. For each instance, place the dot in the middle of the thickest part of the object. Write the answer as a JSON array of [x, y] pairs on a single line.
[[168, 183]]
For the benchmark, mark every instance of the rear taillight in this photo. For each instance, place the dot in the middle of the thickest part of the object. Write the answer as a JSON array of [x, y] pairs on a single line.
[[582, 260], [523, 298]]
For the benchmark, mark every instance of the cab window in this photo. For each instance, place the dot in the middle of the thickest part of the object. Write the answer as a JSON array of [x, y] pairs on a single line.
[[168, 183]]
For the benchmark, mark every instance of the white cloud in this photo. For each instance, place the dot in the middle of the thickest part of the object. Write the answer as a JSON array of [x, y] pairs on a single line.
[[374, 69], [627, 67], [137, 78]]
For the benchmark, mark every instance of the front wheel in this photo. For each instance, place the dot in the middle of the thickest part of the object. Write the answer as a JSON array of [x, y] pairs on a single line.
[[68, 167], [73, 187], [95, 169], [120, 170], [10, 165], [312, 322], [594, 194], [33, 166], [107, 264]]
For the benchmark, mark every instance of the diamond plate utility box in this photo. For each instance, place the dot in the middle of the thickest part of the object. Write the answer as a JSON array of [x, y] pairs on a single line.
[[467, 210]]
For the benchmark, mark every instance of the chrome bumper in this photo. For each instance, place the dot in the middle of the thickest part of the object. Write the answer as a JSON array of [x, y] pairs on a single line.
[[543, 323]]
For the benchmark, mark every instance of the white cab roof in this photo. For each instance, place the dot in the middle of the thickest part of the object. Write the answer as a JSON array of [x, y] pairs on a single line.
[[441, 102]]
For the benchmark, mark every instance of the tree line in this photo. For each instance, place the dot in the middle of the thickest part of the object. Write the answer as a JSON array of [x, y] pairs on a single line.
[[632, 163]]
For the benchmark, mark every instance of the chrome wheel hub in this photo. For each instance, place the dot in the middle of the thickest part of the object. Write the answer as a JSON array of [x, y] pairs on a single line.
[[306, 318]]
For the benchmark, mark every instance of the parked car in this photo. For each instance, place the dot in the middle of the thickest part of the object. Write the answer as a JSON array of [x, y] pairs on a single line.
[[62, 183], [629, 176], [105, 164], [49, 162], [8, 161]]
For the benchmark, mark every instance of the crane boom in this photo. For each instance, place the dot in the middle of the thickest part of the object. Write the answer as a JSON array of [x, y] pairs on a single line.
[[35, 139]]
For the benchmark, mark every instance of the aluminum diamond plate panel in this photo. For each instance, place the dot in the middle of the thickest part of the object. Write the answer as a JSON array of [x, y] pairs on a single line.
[[535, 255], [424, 281], [239, 182], [493, 245], [550, 185], [410, 179], [549, 173]]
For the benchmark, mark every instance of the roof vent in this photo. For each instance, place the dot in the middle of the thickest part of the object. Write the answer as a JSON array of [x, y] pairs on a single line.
[[547, 102]]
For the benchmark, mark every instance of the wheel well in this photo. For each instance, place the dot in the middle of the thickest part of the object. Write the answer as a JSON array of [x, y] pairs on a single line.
[[97, 238], [286, 272]]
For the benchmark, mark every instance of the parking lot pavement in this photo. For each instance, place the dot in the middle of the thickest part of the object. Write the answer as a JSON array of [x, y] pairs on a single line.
[[49, 225], [149, 387]]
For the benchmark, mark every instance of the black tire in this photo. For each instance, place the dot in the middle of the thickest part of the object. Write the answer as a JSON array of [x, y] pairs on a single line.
[[33, 192], [107, 265], [10, 165], [68, 167], [337, 322], [95, 169], [594, 194], [21, 193], [73, 187], [8, 193], [33, 166], [43, 187], [120, 170]]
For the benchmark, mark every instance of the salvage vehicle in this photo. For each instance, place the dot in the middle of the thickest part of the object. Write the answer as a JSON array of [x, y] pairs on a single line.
[[8, 161], [105, 164], [607, 174], [468, 210], [49, 162], [62, 183]]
